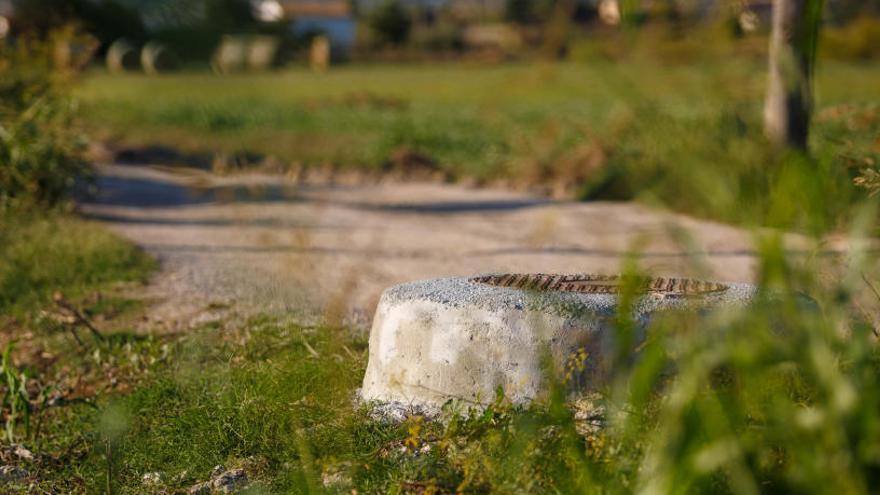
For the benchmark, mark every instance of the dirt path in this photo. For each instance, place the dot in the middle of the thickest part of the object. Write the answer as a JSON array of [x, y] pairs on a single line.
[[254, 243]]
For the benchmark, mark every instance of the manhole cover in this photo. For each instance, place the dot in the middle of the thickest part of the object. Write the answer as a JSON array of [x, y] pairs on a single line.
[[600, 284]]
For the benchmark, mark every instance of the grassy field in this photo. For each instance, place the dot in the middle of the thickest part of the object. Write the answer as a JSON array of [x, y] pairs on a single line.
[[47, 253], [599, 130], [53, 262], [771, 399], [779, 397]]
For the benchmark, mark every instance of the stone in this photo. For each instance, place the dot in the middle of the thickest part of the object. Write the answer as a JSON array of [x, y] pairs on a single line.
[[222, 481], [230, 481], [465, 338], [22, 452], [217, 470], [153, 478], [200, 489], [12, 473]]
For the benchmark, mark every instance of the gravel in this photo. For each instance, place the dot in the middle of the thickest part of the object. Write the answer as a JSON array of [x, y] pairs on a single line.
[[233, 246]]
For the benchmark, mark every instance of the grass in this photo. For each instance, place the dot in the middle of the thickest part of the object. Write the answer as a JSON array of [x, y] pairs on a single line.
[[767, 399], [601, 129], [778, 397], [45, 253]]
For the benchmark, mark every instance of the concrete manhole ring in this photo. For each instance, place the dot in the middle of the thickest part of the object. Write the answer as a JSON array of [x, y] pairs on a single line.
[[462, 338]]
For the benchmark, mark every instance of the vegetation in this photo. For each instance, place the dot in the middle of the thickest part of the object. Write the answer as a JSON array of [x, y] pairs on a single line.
[[858, 40], [781, 396], [778, 397], [49, 260], [45, 253], [59, 273], [601, 130], [40, 150], [391, 22]]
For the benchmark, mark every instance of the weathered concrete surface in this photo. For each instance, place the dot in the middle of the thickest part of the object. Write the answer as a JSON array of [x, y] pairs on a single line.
[[462, 338]]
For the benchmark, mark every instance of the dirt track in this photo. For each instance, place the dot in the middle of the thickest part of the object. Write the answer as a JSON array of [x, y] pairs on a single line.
[[258, 243]]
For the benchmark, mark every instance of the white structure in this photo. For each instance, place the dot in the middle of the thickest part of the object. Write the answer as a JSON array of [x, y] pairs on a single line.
[[463, 338]]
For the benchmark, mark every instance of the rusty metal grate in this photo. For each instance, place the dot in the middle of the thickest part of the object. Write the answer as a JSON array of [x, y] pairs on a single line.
[[600, 284]]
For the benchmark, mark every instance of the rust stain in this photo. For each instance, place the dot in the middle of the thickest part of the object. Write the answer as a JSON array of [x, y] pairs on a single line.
[[601, 284]]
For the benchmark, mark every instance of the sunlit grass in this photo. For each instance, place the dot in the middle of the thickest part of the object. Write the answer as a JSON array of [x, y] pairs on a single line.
[[41, 253], [595, 129], [778, 397]]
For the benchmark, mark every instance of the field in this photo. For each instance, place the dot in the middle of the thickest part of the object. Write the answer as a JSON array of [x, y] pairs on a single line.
[[601, 129], [764, 400], [779, 397]]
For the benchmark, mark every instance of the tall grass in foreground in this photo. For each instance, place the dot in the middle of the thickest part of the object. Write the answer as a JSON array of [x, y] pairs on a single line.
[[781, 396], [778, 397]]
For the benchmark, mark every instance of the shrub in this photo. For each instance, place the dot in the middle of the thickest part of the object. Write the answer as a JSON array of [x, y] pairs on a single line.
[[519, 11], [391, 22], [859, 40], [41, 152]]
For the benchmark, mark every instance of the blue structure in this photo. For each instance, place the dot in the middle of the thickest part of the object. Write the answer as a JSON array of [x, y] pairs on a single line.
[[339, 30], [332, 18]]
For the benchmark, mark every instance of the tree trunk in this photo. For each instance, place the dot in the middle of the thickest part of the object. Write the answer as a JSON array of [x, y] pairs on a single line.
[[788, 104]]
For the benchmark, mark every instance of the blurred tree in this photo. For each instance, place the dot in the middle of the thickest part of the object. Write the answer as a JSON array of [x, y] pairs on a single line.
[[107, 20], [843, 11], [391, 22], [519, 11], [584, 11], [193, 29], [546, 11], [793, 43], [41, 16], [557, 29], [229, 16]]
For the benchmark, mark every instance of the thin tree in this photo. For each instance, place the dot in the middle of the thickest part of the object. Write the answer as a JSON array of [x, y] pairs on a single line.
[[793, 42]]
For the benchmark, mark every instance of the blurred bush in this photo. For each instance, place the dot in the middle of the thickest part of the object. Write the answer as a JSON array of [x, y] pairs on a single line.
[[858, 40], [107, 20], [520, 11], [441, 37], [41, 151], [842, 11], [391, 23], [729, 173]]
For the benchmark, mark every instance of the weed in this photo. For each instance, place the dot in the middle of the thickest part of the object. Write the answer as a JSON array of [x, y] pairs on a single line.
[[41, 150], [16, 400]]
